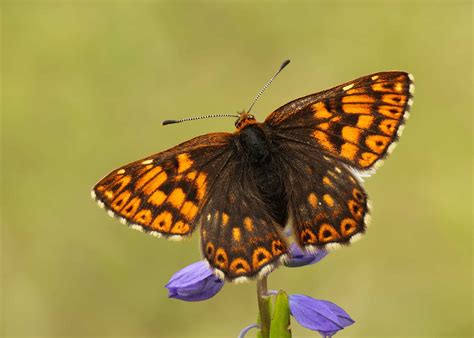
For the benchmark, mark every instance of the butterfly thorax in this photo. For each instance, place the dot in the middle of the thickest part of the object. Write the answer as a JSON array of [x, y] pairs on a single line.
[[259, 155]]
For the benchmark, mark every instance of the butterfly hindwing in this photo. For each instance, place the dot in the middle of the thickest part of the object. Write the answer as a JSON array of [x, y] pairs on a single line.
[[357, 122], [239, 238], [164, 193], [327, 204]]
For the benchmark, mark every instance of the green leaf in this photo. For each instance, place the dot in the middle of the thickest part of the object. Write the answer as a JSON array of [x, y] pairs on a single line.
[[280, 325]]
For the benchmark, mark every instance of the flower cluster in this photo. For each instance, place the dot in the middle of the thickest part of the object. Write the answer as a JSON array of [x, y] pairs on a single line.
[[196, 282]]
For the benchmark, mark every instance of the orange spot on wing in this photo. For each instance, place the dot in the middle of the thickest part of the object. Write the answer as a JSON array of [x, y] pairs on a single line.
[[348, 227], [248, 223], [323, 126], [308, 237], [239, 266], [148, 176], [357, 194], [323, 140], [351, 134], [394, 99], [327, 181], [320, 111], [277, 247], [201, 185], [356, 91], [144, 217], [191, 176], [120, 201], [157, 198], [313, 200], [180, 228], [225, 218], [399, 87], [357, 108], [356, 209], [388, 126], [365, 121], [327, 233], [162, 222], [109, 194], [236, 234], [189, 210], [390, 111], [367, 159], [131, 208], [221, 259], [329, 200], [177, 198], [358, 99], [117, 187], [209, 251], [383, 87], [377, 143], [260, 257], [349, 150], [155, 183], [184, 162]]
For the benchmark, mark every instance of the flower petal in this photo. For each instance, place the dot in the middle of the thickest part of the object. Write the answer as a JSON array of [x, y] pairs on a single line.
[[343, 316], [300, 258], [194, 283], [319, 315]]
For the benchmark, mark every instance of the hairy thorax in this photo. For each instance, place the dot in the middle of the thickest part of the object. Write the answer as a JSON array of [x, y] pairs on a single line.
[[260, 159]]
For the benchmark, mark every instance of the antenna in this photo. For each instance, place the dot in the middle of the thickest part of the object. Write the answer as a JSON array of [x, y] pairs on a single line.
[[283, 65], [166, 122]]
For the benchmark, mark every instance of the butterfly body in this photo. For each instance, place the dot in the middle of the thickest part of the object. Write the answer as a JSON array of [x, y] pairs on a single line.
[[261, 156], [303, 163]]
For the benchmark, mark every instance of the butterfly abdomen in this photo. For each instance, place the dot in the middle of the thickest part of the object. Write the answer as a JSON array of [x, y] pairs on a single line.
[[264, 171]]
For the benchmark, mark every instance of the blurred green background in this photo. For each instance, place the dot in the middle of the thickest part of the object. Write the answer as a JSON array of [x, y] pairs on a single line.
[[85, 85]]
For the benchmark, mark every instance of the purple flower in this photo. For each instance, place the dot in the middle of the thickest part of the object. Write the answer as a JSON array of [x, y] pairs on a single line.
[[194, 283], [319, 315], [300, 258]]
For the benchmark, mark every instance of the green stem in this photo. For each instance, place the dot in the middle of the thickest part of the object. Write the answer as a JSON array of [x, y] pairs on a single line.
[[263, 307]]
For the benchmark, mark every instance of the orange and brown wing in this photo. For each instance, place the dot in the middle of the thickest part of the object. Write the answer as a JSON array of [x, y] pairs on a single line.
[[239, 236], [357, 122], [164, 193], [327, 204]]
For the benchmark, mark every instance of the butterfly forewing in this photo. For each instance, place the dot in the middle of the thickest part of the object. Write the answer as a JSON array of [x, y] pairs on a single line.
[[357, 122], [163, 194]]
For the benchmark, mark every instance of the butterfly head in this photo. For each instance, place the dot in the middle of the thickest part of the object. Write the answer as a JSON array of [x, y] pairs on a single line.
[[244, 120]]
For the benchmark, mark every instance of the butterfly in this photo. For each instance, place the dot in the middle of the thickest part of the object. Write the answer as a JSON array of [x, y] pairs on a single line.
[[303, 165]]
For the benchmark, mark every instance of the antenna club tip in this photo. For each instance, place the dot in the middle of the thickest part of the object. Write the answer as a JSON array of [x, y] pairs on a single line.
[[166, 122], [284, 64]]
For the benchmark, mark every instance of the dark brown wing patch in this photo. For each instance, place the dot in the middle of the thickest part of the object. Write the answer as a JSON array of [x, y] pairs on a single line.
[[327, 204]]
